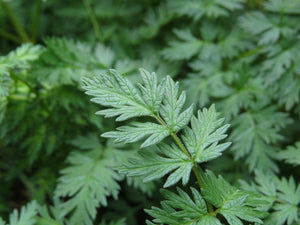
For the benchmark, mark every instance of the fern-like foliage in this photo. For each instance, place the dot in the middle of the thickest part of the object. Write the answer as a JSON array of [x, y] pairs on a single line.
[[88, 181], [254, 134], [212, 9], [230, 43], [126, 101], [291, 154], [25, 217], [14, 61], [50, 215], [283, 196], [164, 103], [196, 144], [66, 61], [235, 205], [239, 56]]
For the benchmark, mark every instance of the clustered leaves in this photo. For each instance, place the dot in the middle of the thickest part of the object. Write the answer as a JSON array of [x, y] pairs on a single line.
[[200, 144], [235, 59]]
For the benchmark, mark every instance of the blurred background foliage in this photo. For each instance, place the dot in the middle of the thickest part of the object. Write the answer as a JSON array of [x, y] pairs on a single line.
[[241, 55]]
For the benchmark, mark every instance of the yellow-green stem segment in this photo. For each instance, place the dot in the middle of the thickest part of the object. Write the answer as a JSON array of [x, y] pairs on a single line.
[[188, 154]]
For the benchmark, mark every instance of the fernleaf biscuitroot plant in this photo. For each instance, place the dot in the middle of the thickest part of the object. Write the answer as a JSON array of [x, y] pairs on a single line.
[[177, 143]]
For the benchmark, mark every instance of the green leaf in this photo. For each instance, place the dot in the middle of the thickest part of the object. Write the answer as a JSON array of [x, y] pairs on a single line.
[[180, 208], [189, 207], [233, 204], [129, 134], [245, 93], [25, 217], [207, 81], [289, 90], [87, 142], [279, 61], [172, 107], [283, 196], [258, 23], [254, 133], [202, 140], [50, 215], [88, 181], [151, 165], [116, 91], [279, 6], [152, 91], [185, 49], [65, 61], [291, 154], [209, 220], [5, 82], [25, 54], [198, 8], [125, 101]]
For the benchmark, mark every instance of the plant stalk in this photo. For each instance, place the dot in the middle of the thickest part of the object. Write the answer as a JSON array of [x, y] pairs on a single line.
[[188, 154], [16, 23], [93, 19], [36, 20], [9, 36]]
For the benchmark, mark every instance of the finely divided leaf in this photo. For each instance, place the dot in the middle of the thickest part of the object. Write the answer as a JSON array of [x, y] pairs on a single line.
[[254, 133], [152, 92], [198, 8], [180, 208], [189, 207], [116, 91], [161, 101], [291, 154], [233, 204], [5, 82], [137, 131], [87, 182], [283, 197], [165, 159], [185, 49], [173, 103], [202, 140], [25, 217]]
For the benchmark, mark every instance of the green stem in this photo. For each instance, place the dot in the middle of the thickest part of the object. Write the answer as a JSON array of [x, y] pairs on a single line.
[[9, 36], [36, 20], [250, 52], [16, 23], [94, 21], [251, 120], [188, 154], [181, 146]]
